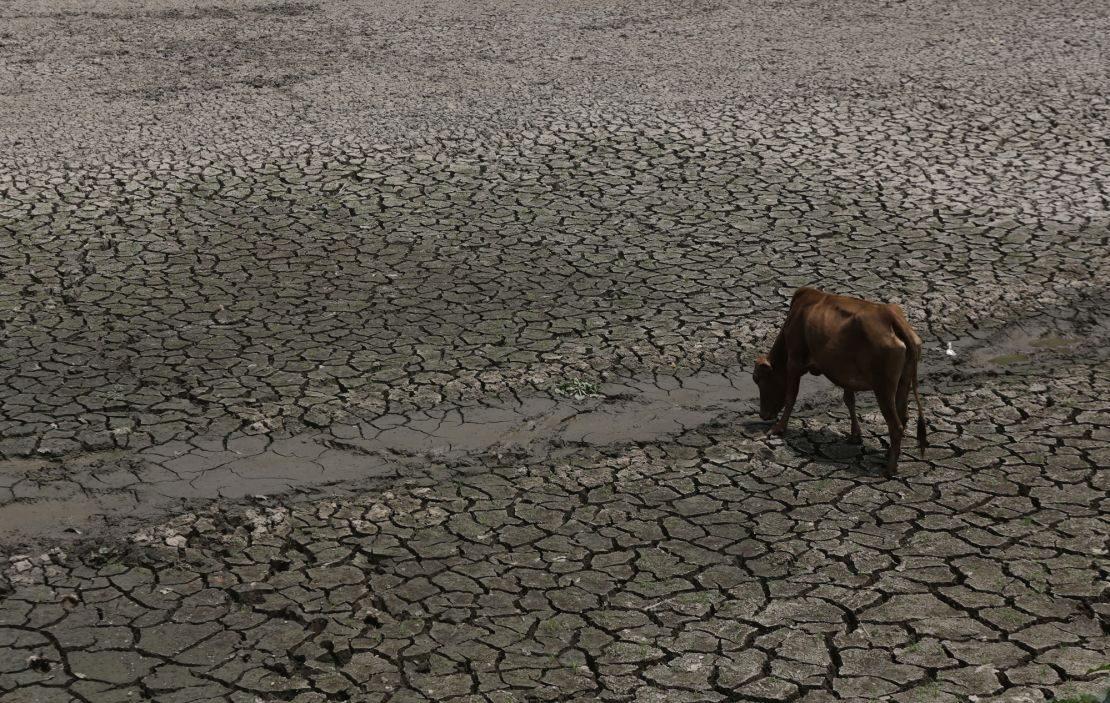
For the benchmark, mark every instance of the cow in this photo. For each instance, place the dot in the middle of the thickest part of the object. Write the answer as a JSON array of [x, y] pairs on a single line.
[[859, 346]]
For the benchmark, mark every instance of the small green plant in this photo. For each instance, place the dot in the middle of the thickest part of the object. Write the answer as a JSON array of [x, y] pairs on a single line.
[[1011, 618], [579, 389], [927, 692], [696, 597]]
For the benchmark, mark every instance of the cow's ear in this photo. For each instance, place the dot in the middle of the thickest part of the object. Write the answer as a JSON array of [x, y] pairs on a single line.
[[762, 368]]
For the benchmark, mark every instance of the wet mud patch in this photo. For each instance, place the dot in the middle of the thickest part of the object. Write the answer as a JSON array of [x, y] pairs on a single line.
[[1023, 345], [1028, 345], [1033, 342], [69, 497]]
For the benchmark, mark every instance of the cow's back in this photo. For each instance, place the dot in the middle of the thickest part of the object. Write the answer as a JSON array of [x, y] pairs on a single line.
[[846, 339]]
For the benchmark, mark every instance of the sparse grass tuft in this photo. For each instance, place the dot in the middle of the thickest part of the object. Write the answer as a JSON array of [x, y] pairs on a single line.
[[579, 389]]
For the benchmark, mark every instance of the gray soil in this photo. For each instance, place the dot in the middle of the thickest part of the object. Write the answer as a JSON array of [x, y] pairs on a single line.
[[400, 351]]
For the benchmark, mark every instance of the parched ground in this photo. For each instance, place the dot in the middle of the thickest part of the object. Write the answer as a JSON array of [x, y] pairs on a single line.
[[400, 352]]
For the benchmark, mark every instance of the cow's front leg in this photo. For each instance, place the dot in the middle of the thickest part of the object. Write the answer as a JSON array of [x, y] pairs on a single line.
[[856, 437], [793, 379]]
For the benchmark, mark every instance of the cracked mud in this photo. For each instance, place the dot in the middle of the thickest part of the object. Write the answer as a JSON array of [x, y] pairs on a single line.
[[401, 353]]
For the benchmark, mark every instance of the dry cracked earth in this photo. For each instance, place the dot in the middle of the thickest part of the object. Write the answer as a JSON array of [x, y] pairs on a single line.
[[400, 352]]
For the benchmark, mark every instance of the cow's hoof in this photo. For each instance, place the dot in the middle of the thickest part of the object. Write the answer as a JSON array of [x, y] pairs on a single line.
[[855, 439], [776, 430]]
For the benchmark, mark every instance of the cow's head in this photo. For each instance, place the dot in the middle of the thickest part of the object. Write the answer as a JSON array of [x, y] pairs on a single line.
[[772, 388]]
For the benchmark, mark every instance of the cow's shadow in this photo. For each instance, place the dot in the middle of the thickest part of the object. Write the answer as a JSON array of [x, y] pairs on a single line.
[[826, 446]]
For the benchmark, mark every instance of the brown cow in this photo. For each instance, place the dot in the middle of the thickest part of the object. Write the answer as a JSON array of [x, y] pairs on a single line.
[[859, 345]]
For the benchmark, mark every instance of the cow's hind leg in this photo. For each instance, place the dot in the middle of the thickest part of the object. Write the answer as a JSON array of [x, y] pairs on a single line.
[[902, 395], [856, 437], [889, 407]]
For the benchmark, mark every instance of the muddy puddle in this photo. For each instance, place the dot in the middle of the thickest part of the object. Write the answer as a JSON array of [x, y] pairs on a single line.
[[1013, 345], [71, 497]]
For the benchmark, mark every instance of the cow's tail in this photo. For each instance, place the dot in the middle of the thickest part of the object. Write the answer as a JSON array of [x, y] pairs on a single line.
[[913, 346], [922, 442]]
